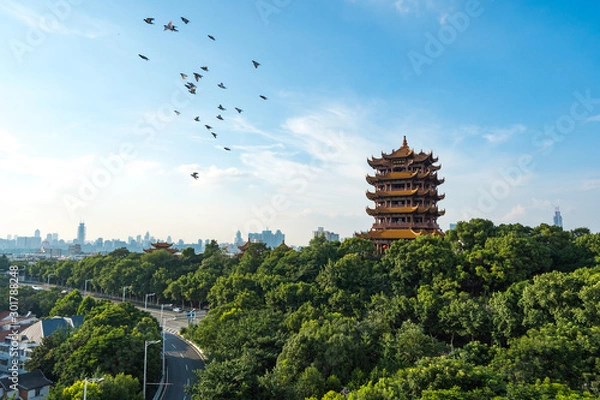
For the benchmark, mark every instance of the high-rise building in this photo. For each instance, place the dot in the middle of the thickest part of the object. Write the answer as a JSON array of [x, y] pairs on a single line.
[[405, 196], [329, 236], [37, 234], [558, 218], [267, 237], [238, 241], [81, 233]]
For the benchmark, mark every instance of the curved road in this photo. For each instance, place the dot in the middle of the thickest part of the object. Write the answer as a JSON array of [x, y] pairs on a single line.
[[182, 360]]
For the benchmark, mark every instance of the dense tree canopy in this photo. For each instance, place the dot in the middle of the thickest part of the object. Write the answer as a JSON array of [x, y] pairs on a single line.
[[486, 312]]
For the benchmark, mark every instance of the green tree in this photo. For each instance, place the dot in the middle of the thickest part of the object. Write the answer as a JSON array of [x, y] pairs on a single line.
[[68, 305]]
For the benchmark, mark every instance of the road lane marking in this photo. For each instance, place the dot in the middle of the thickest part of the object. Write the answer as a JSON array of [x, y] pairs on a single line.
[[186, 367]]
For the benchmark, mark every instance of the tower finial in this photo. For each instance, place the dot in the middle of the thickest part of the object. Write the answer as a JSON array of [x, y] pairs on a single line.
[[404, 142]]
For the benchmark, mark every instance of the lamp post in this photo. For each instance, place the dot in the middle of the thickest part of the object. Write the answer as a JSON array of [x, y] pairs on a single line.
[[162, 319], [85, 286], [146, 300], [162, 306], [163, 346], [49, 275], [146, 344], [124, 288], [85, 381]]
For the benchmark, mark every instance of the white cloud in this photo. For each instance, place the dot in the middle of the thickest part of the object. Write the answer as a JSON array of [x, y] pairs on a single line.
[[9, 143], [137, 168], [515, 214], [493, 135], [591, 184], [539, 203], [595, 118], [212, 176], [51, 19]]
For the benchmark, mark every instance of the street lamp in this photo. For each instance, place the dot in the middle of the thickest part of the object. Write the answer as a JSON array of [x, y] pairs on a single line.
[[85, 285], [49, 275], [163, 346], [146, 344], [146, 300], [124, 288], [162, 306], [85, 381]]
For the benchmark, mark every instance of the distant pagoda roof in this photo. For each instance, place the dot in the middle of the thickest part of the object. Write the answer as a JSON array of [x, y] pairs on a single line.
[[283, 246], [245, 246], [161, 246]]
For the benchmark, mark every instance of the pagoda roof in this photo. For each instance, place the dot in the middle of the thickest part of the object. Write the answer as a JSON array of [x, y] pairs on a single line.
[[405, 193], [405, 210], [393, 234], [396, 234], [161, 245], [392, 176], [404, 152], [283, 246], [245, 246]]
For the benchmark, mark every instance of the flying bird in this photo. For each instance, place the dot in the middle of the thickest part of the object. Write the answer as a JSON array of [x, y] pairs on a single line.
[[239, 110], [190, 85], [214, 134], [263, 97], [227, 148], [185, 20], [192, 90], [219, 117], [204, 68], [197, 76], [197, 119], [221, 85], [256, 63], [194, 175], [170, 27], [183, 76], [149, 21], [211, 37], [221, 108], [208, 127], [176, 112], [143, 57]]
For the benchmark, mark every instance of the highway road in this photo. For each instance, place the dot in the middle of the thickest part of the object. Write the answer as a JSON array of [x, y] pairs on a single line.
[[181, 358]]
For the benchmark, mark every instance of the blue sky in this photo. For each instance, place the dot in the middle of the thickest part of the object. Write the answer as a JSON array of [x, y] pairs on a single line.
[[506, 95]]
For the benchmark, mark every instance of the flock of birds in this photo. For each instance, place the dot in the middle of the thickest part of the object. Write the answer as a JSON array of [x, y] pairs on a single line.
[[191, 86]]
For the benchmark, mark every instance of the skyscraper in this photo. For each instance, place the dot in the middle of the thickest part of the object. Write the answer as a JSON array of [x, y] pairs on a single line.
[[81, 233], [557, 217]]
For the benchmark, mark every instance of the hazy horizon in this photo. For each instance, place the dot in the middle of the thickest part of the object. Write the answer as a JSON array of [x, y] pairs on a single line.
[[506, 95]]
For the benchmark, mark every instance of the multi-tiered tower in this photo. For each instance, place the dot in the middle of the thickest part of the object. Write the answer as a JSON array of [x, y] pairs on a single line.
[[405, 195]]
